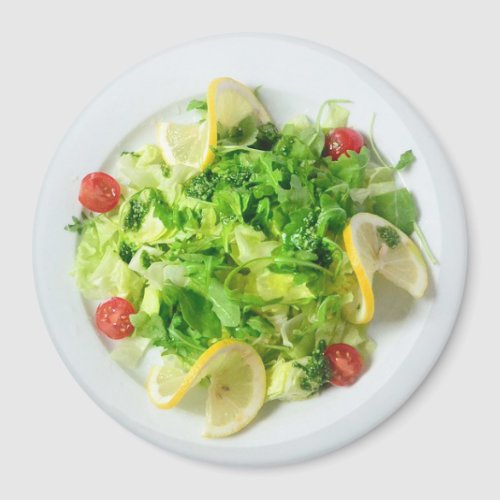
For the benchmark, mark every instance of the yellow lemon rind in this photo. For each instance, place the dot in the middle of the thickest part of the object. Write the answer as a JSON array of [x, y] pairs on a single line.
[[364, 281]]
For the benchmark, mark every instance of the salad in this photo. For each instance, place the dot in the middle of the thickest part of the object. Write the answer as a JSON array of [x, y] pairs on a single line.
[[242, 253]]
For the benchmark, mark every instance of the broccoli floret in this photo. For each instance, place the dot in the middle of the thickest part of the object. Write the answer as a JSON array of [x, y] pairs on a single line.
[[138, 213], [267, 136], [137, 210], [317, 371], [126, 251], [305, 238], [389, 235], [202, 186], [325, 257], [237, 177]]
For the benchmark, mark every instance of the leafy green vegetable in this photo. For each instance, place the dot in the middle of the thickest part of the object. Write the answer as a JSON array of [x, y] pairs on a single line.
[[78, 225], [151, 300], [284, 381], [198, 313], [293, 380], [197, 104], [267, 136], [251, 244], [317, 371], [130, 350], [406, 159], [243, 134], [145, 217], [145, 168], [332, 114], [397, 207], [149, 326], [226, 310], [350, 169], [99, 271], [303, 234]]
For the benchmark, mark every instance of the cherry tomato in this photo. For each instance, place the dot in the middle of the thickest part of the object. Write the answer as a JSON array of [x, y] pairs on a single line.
[[340, 140], [113, 318], [346, 363], [99, 192]]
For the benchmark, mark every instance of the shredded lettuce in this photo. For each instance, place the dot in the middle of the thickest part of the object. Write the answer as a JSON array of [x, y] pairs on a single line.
[[129, 351], [99, 271], [332, 114], [144, 168], [284, 381], [251, 244]]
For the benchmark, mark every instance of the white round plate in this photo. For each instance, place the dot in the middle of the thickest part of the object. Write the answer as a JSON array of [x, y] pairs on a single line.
[[296, 77]]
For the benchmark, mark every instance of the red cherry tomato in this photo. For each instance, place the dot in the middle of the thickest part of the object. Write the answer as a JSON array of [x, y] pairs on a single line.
[[340, 140], [113, 318], [346, 363], [99, 192]]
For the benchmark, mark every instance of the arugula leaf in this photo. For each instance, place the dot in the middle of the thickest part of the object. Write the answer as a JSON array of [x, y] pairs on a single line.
[[198, 313], [262, 215], [227, 311], [78, 225], [197, 104], [397, 207], [405, 160], [296, 197], [228, 203]]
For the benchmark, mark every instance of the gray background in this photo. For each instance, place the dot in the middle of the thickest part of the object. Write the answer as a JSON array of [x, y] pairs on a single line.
[[54, 441]]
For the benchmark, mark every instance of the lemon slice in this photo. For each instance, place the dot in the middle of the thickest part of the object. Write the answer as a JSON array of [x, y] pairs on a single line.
[[164, 380], [236, 391], [375, 245], [187, 144], [229, 102]]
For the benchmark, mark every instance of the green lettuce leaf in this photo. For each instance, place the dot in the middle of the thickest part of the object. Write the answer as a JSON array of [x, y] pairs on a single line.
[[351, 168], [333, 115], [150, 326], [144, 168], [99, 271], [129, 351], [226, 310], [251, 244], [397, 207], [285, 381], [198, 313]]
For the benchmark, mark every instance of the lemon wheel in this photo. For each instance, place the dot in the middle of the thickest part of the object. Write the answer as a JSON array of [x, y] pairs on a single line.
[[373, 245], [237, 385]]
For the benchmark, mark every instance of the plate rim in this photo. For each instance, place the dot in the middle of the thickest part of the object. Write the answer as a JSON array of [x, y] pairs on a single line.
[[394, 401]]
